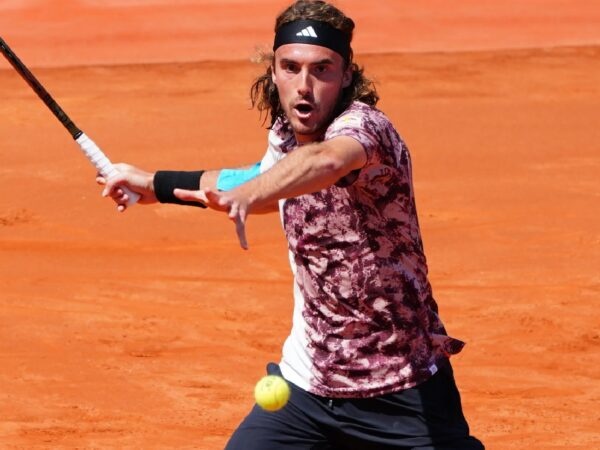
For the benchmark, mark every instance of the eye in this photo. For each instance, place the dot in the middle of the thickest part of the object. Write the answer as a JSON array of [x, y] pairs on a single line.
[[321, 68], [290, 67]]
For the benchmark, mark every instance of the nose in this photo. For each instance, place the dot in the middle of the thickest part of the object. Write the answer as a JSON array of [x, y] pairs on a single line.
[[305, 84]]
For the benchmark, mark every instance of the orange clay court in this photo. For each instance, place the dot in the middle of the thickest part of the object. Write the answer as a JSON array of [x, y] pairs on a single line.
[[149, 329]]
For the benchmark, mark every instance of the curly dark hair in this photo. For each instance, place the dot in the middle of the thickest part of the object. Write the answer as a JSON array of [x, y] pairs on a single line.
[[263, 93]]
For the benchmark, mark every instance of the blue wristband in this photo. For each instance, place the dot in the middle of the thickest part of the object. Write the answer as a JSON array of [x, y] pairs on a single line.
[[231, 178]]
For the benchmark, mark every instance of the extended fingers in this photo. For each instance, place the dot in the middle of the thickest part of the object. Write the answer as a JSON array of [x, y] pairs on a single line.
[[237, 212], [238, 215], [216, 200], [190, 196], [240, 229]]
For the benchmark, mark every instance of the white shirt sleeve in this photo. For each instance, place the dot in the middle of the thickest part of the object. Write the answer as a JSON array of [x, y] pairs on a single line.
[[273, 153]]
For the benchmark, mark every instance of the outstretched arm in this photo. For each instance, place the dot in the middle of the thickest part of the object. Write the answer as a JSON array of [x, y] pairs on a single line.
[[307, 169], [156, 187]]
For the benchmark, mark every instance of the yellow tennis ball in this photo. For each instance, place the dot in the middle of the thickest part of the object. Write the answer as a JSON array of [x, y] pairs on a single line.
[[271, 393]]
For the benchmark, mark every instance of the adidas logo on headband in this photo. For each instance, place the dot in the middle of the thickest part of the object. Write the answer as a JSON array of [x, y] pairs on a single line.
[[308, 31], [305, 32]]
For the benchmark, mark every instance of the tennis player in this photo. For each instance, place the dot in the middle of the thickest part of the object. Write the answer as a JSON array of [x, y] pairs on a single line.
[[368, 356]]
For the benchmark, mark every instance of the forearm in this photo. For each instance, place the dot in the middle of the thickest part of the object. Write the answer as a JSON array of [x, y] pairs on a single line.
[[213, 180], [228, 179], [308, 169]]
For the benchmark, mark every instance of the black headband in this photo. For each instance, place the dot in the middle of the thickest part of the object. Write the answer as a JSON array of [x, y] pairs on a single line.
[[315, 33]]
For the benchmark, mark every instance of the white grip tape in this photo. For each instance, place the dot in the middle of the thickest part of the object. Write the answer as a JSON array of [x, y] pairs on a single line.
[[102, 164]]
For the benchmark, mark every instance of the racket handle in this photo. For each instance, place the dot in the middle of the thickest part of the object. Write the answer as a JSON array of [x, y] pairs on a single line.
[[103, 164]]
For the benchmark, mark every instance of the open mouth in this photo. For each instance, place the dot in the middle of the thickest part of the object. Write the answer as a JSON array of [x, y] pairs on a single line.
[[303, 109]]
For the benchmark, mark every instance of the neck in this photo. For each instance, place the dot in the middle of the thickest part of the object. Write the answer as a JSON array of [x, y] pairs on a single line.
[[303, 139]]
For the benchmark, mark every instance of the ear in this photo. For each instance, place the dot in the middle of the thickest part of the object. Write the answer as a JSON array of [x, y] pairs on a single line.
[[347, 79]]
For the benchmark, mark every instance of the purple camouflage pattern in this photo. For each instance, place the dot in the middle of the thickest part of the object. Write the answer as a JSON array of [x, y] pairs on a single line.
[[371, 321]]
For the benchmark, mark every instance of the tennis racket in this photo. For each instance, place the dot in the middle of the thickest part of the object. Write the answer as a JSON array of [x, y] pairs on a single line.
[[87, 146]]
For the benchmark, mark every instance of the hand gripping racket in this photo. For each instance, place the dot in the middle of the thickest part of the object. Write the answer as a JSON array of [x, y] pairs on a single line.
[[88, 147]]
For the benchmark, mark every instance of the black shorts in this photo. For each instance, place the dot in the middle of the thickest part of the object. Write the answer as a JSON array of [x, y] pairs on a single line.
[[426, 417]]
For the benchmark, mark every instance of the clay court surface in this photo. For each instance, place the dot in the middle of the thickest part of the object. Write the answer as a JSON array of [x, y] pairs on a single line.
[[149, 329]]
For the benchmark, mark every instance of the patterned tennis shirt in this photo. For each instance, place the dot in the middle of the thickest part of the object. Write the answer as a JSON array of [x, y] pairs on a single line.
[[365, 322]]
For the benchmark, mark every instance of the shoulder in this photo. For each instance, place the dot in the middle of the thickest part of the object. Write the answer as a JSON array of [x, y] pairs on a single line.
[[374, 131], [359, 116], [366, 124]]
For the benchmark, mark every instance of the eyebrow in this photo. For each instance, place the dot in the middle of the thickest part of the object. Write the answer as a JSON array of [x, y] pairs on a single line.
[[316, 63]]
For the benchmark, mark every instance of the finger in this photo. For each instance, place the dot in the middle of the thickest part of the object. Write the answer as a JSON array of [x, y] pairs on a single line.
[[215, 197], [240, 229], [100, 179], [237, 214], [202, 196], [217, 200], [118, 195], [190, 196], [110, 188]]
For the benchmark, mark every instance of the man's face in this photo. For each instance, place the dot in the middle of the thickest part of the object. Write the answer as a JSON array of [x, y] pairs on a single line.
[[309, 79]]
